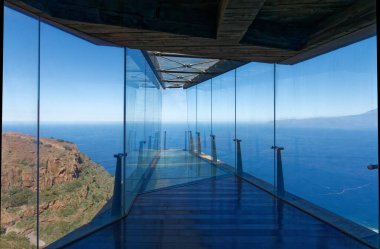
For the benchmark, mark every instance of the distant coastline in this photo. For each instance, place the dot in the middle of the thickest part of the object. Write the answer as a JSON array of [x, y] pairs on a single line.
[[367, 120]]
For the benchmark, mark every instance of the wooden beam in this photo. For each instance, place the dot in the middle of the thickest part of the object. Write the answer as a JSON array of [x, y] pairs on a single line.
[[177, 81], [184, 72], [221, 66], [329, 24], [235, 17], [349, 25]]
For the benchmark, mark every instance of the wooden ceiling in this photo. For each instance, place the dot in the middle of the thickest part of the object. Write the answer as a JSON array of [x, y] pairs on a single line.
[[272, 31]]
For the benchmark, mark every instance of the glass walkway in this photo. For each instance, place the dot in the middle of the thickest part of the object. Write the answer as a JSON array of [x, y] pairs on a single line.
[[190, 203], [179, 167]]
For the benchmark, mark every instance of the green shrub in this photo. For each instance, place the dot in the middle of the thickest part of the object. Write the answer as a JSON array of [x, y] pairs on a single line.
[[20, 196], [13, 240]]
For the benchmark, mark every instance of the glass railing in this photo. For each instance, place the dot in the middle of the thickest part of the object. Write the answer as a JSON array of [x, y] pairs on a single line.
[[81, 130], [301, 131]]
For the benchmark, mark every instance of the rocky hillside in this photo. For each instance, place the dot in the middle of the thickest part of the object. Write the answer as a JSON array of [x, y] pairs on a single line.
[[72, 189]]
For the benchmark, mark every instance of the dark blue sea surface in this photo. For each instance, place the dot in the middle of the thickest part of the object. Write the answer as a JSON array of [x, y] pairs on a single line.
[[324, 166]]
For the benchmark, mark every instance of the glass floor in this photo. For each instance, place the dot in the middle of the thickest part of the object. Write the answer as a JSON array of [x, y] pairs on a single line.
[[178, 167], [217, 213]]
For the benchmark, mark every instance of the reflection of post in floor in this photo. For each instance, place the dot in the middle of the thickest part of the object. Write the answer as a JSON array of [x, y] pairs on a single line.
[[373, 167], [116, 198], [239, 162], [279, 213], [280, 176], [199, 164]]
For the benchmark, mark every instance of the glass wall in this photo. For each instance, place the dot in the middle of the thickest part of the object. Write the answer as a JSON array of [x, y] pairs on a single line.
[[191, 97], [91, 139], [143, 122], [81, 129], [19, 132], [204, 117], [255, 118], [174, 119], [223, 116], [135, 116], [326, 112], [320, 116]]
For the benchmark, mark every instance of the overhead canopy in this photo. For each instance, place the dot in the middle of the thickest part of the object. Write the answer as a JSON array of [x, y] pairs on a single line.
[[212, 33], [178, 70]]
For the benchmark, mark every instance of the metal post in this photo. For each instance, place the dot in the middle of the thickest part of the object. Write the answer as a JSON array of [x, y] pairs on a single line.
[[135, 141], [150, 143], [165, 140], [141, 153], [373, 167], [199, 145], [185, 140], [191, 142], [116, 198], [204, 140], [280, 176], [213, 149], [157, 140], [239, 162]]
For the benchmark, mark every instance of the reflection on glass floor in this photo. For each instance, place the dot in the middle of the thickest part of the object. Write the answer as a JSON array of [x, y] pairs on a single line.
[[177, 167], [220, 213]]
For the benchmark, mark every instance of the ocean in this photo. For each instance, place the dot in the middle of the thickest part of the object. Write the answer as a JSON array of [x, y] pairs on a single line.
[[325, 166]]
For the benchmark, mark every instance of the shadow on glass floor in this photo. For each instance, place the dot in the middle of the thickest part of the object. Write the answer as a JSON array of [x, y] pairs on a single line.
[[178, 167]]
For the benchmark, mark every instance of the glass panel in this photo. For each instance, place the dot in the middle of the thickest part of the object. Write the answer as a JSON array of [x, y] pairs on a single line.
[[19, 132], [223, 116], [254, 118], [174, 119], [327, 113], [204, 115], [143, 124], [135, 125], [178, 166], [191, 96], [81, 131]]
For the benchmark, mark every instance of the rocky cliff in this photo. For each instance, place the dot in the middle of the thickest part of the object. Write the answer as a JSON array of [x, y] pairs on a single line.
[[72, 189]]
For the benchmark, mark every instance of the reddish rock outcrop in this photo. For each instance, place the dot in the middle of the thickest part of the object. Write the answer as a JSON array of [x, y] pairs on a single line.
[[58, 161]]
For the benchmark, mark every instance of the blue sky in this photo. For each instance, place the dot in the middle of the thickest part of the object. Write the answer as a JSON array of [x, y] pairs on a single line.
[[84, 82]]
